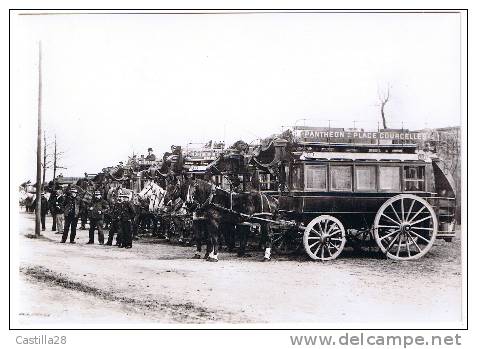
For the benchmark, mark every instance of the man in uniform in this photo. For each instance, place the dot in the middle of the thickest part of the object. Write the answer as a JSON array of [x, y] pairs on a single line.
[[126, 217], [150, 155], [114, 227], [71, 208], [52, 208], [96, 216], [88, 187]]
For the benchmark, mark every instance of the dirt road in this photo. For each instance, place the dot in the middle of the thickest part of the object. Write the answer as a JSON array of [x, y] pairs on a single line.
[[159, 283]]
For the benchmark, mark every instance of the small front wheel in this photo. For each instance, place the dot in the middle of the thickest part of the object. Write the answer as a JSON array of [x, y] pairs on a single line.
[[324, 238]]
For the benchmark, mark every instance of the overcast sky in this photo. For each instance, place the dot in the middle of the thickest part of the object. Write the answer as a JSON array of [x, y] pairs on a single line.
[[114, 84]]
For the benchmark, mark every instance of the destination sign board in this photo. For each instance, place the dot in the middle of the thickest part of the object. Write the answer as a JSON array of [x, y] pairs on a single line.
[[202, 154], [331, 135]]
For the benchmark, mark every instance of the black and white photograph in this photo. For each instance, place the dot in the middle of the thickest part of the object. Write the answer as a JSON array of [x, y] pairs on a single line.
[[238, 169]]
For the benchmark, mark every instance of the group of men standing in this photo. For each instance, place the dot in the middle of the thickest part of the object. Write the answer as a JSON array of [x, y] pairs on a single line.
[[67, 209]]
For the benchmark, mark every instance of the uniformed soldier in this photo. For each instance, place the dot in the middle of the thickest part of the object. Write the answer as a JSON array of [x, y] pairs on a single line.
[[71, 211], [114, 226], [52, 208], [96, 216], [126, 217], [88, 187]]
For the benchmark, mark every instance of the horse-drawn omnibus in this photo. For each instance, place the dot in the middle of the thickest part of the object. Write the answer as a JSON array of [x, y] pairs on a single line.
[[393, 194]]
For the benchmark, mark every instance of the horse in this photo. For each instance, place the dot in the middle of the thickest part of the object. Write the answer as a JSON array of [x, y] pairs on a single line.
[[150, 204], [221, 208], [154, 195], [175, 209], [262, 208], [28, 200]]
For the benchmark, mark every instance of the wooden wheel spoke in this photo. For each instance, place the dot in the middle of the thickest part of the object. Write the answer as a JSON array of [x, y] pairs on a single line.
[[326, 226], [316, 232], [313, 237], [391, 244], [417, 213], [328, 249], [334, 226], [391, 233], [392, 220], [399, 247], [394, 210], [420, 220], [313, 244], [335, 232], [389, 226], [317, 249], [336, 239], [410, 209], [415, 244], [321, 229], [419, 236], [334, 246], [323, 252]]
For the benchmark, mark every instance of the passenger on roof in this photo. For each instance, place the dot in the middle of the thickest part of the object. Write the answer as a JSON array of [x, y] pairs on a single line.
[[150, 156]]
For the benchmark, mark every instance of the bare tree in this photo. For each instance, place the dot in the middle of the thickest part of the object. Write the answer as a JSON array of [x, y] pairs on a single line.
[[56, 158], [46, 162], [383, 100]]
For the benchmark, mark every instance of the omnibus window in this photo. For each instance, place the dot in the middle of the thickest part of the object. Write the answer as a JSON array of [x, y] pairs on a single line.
[[224, 183], [414, 178], [296, 177], [389, 178], [315, 177], [341, 178], [267, 181], [365, 178]]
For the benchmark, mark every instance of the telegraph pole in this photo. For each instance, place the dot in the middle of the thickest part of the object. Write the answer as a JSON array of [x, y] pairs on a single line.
[[38, 151]]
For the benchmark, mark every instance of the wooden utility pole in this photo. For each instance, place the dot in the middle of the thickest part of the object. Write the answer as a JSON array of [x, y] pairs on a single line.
[[38, 151]]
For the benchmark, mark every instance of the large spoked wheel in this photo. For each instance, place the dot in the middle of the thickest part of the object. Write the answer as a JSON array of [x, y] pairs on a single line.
[[405, 227], [324, 238]]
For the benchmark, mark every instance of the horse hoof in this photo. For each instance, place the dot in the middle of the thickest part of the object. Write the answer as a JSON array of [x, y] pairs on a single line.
[[196, 256], [209, 259], [265, 259]]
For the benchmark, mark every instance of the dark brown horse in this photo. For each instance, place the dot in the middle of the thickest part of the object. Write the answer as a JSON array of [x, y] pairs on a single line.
[[220, 209], [262, 208]]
